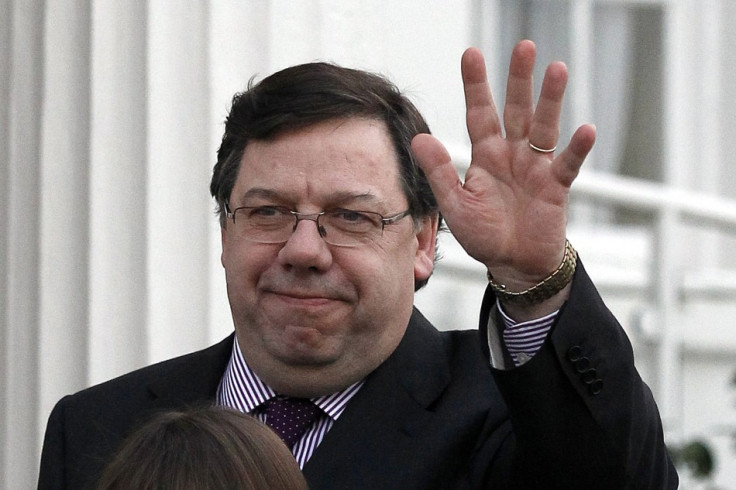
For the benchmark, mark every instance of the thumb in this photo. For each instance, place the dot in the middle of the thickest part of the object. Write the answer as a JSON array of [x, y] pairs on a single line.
[[437, 165]]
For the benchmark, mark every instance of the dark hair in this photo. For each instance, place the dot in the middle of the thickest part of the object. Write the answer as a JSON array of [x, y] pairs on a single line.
[[205, 448], [311, 93]]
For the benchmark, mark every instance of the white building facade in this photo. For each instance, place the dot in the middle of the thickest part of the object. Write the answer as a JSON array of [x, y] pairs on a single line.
[[111, 113]]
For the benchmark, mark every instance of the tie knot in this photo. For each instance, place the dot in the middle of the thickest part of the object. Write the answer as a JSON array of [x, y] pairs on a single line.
[[290, 417]]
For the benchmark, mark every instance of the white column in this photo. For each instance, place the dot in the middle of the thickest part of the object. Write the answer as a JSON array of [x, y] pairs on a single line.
[[19, 338], [486, 32], [180, 160], [727, 112], [667, 274], [238, 49], [710, 101], [118, 282], [5, 75], [64, 206], [579, 98]]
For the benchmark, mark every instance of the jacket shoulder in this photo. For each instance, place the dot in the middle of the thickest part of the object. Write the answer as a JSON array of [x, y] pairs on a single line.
[[86, 427], [200, 365]]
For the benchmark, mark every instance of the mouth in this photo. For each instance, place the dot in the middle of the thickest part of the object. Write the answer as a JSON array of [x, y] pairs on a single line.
[[303, 298], [318, 297], [298, 298]]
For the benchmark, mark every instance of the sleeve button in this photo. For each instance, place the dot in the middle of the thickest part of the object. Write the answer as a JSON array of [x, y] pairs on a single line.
[[589, 376], [596, 387], [574, 353], [582, 365]]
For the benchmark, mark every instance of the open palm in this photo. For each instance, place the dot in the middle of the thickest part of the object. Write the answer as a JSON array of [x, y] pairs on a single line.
[[511, 211]]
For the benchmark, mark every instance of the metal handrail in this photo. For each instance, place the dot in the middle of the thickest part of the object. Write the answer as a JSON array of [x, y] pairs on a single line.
[[698, 208]]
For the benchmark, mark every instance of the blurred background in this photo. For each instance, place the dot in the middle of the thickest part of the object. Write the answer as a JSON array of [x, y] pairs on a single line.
[[111, 113]]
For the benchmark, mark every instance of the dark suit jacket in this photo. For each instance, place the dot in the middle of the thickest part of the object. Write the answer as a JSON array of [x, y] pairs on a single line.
[[433, 415]]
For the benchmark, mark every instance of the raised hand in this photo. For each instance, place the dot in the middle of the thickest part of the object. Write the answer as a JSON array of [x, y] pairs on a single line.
[[511, 211]]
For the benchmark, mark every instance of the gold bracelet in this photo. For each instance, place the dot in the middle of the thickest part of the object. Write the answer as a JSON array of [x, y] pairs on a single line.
[[551, 285]]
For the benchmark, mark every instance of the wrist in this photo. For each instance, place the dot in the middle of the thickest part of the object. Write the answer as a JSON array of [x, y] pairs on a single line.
[[548, 288], [521, 314]]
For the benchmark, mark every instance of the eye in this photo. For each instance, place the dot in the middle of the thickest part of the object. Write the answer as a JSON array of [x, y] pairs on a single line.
[[351, 216], [356, 221], [267, 211]]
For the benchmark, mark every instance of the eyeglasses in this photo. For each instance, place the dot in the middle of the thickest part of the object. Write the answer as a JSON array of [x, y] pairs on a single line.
[[340, 227]]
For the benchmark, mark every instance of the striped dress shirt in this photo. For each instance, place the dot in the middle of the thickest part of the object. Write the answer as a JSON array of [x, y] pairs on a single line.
[[241, 389], [523, 339]]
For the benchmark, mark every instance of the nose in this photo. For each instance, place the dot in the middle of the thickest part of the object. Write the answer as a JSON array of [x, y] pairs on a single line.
[[305, 248], [310, 217]]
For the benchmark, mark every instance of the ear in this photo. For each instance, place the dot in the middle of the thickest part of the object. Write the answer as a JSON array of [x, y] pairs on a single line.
[[223, 241], [426, 240]]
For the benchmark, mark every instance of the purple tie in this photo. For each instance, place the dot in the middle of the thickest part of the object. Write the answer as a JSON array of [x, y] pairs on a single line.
[[290, 417]]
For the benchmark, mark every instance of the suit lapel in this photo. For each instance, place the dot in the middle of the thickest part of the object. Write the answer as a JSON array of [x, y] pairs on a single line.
[[389, 412], [193, 379]]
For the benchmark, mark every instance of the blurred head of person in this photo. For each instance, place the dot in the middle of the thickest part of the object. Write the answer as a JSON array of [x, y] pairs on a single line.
[[202, 448]]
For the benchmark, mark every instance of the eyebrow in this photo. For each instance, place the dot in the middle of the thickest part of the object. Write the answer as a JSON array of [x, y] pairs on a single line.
[[340, 197], [260, 192]]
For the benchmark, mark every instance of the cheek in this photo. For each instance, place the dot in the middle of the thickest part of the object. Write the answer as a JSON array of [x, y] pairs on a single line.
[[243, 265], [386, 280]]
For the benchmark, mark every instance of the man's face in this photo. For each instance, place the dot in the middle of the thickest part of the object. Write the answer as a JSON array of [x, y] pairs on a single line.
[[313, 318]]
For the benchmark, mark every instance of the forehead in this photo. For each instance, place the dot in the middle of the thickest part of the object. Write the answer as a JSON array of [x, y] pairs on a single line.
[[347, 157]]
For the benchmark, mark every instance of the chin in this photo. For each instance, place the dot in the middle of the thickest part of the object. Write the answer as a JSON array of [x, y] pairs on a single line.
[[304, 357], [308, 380]]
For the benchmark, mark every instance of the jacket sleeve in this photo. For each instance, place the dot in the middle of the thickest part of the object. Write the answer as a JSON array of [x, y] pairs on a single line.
[[581, 415]]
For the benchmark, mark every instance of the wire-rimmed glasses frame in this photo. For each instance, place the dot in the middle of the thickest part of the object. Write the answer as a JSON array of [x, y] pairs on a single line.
[[340, 227]]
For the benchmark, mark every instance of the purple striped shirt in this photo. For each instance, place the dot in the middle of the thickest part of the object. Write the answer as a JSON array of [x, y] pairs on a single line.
[[241, 389], [523, 339]]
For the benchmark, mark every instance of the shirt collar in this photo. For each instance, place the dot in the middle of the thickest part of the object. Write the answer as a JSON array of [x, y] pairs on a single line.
[[242, 389]]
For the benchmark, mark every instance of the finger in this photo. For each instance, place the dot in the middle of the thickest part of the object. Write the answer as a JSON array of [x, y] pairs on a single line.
[[437, 165], [545, 127], [567, 164], [481, 116], [519, 107]]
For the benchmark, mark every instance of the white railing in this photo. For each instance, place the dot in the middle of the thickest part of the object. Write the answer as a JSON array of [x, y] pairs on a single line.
[[692, 207]]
